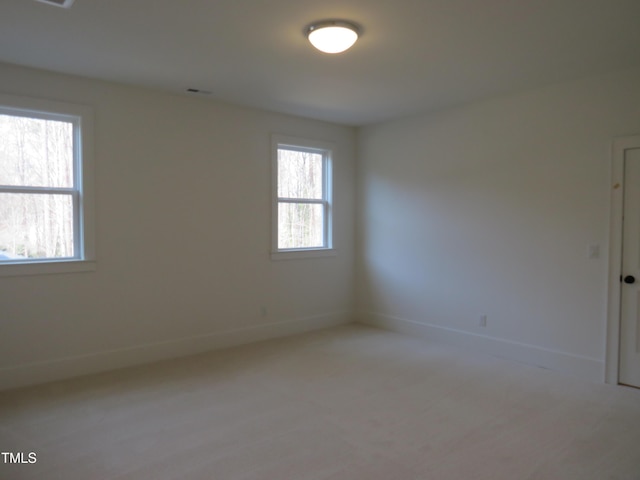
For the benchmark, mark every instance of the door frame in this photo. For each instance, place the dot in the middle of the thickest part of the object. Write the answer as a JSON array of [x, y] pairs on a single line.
[[612, 359]]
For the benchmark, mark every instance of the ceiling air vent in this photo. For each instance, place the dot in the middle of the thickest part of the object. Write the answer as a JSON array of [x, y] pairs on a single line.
[[58, 3], [197, 90]]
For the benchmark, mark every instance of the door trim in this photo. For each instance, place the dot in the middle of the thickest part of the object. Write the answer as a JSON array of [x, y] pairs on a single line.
[[612, 359]]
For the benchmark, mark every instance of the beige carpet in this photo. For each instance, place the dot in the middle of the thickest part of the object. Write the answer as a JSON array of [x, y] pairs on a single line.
[[341, 404]]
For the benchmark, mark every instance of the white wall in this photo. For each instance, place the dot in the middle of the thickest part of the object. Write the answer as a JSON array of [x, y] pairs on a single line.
[[183, 237], [489, 209], [483, 209]]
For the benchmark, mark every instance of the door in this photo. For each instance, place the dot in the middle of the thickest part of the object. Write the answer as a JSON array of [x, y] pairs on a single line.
[[629, 373]]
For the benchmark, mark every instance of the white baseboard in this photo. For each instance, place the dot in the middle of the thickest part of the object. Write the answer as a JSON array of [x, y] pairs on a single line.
[[62, 368], [587, 368]]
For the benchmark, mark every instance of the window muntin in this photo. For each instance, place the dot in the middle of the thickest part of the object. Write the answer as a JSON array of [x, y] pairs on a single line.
[[302, 206], [43, 206]]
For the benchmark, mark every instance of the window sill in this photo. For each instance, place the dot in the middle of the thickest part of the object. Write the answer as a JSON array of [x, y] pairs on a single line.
[[300, 254], [46, 267]]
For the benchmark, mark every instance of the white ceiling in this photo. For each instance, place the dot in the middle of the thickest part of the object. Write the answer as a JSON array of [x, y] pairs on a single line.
[[414, 55]]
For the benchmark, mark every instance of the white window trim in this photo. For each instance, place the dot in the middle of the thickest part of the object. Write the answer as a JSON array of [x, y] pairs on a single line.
[[302, 144], [82, 117]]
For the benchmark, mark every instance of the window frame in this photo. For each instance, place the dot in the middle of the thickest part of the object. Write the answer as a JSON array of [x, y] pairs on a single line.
[[81, 118], [312, 146]]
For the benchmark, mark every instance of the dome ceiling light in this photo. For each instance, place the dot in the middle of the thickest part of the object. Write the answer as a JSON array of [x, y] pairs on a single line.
[[332, 36]]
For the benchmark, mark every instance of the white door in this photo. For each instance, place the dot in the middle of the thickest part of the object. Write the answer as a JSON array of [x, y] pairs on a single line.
[[629, 373]]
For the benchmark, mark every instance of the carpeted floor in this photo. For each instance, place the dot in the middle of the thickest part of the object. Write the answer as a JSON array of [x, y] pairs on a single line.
[[348, 403]]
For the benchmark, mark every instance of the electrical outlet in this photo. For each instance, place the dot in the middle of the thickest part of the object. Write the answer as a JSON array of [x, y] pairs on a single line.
[[593, 251], [483, 321], [263, 311]]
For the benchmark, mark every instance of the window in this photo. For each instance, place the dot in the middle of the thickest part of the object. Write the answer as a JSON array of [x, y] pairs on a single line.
[[302, 206], [45, 195]]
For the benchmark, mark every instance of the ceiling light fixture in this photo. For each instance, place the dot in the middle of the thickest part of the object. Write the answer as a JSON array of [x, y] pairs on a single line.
[[332, 36]]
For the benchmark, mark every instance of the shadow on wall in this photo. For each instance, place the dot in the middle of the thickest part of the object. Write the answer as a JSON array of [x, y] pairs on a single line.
[[447, 248]]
